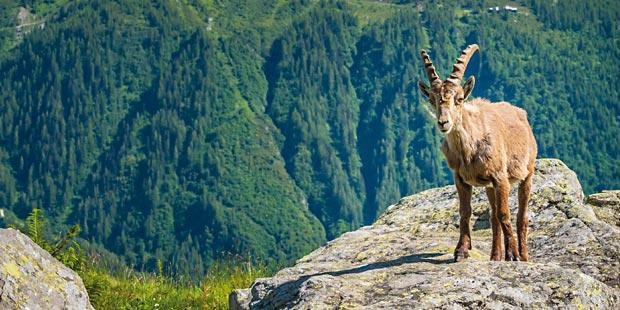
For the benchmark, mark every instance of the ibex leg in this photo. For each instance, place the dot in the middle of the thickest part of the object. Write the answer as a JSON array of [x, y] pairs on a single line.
[[522, 220], [496, 251], [464, 191], [502, 189]]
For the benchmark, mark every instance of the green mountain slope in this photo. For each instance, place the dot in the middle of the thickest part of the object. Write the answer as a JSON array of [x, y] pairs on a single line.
[[182, 130]]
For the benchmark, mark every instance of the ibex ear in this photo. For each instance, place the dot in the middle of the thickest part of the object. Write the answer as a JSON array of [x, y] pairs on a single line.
[[468, 87], [425, 89]]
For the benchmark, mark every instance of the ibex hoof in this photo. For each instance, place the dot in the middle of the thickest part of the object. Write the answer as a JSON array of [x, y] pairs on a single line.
[[460, 255], [512, 257]]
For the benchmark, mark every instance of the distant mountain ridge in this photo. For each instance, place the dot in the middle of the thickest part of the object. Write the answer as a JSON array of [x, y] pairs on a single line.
[[182, 131]]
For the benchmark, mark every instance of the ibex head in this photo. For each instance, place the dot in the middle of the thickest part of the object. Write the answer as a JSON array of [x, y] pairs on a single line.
[[447, 96]]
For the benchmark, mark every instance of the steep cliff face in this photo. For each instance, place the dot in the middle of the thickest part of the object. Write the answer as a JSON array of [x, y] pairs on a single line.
[[405, 258], [30, 278]]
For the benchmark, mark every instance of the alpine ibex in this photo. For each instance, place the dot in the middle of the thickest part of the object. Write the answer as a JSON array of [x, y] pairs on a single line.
[[486, 144]]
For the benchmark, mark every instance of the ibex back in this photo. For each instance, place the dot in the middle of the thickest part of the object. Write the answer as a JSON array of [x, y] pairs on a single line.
[[486, 144]]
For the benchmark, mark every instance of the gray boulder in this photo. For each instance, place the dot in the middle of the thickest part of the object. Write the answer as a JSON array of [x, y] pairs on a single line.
[[405, 259], [606, 205], [30, 278]]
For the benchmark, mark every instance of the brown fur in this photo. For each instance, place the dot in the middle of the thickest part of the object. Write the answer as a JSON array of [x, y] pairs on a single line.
[[491, 145]]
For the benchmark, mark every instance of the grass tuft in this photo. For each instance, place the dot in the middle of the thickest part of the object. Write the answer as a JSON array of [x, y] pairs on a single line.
[[227, 275], [141, 290]]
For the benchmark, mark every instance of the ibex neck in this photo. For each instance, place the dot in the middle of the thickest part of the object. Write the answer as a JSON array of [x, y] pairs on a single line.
[[463, 137]]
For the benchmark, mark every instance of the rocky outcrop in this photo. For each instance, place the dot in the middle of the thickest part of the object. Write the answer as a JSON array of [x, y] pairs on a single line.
[[606, 206], [405, 259], [30, 278]]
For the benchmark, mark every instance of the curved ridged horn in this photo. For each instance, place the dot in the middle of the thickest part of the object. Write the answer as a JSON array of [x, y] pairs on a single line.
[[458, 70], [428, 66]]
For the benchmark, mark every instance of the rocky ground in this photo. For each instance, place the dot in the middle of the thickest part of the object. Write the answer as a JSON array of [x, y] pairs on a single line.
[[405, 259], [30, 278]]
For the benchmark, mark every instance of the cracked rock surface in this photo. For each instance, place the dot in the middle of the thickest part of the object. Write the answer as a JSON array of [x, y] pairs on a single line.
[[405, 259], [30, 278]]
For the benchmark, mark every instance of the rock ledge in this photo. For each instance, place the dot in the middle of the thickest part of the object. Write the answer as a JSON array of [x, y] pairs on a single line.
[[404, 260]]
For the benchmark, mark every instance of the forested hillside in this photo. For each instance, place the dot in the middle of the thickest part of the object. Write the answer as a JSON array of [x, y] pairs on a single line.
[[184, 130]]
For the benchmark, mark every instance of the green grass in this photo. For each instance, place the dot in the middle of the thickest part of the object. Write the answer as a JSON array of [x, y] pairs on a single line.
[[139, 290], [226, 276]]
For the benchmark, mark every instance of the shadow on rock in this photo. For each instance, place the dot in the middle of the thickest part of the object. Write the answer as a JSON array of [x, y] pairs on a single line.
[[278, 296]]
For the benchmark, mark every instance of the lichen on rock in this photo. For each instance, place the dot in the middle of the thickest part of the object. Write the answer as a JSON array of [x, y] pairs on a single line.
[[30, 278], [404, 260], [606, 205]]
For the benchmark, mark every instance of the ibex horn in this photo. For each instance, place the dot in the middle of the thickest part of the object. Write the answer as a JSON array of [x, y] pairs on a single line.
[[461, 64], [428, 66]]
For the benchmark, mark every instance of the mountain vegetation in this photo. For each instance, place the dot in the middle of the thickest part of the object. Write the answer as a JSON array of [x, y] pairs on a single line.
[[180, 131]]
